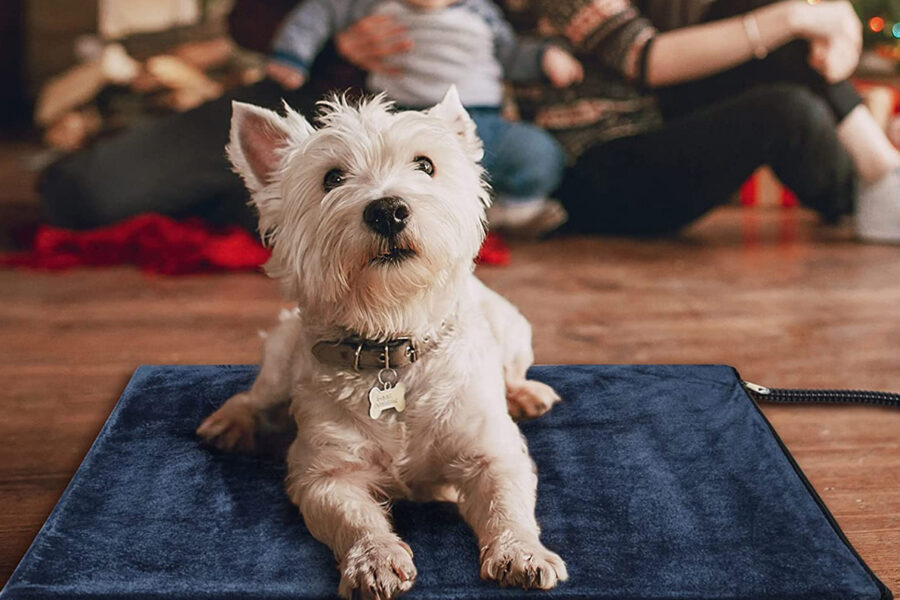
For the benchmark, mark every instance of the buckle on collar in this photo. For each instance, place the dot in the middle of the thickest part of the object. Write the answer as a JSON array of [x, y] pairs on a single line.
[[361, 346]]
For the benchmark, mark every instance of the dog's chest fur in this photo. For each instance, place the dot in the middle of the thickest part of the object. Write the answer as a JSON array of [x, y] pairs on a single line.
[[444, 392]]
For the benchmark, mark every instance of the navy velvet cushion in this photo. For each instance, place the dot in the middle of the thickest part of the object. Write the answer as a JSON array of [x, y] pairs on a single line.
[[656, 482]]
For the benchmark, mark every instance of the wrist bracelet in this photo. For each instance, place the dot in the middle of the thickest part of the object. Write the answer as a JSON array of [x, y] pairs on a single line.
[[751, 28]]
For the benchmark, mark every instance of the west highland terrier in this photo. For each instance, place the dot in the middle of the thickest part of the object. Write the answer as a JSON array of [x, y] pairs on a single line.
[[397, 361]]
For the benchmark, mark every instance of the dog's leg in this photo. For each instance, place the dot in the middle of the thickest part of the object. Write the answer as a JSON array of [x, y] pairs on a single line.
[[497, 498], [341, 511], [525, 398], [233, 425]]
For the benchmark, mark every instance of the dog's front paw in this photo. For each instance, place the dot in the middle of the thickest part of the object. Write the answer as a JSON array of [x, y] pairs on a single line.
[[377, 568], [529, 399], [232, 426], [528, 565]]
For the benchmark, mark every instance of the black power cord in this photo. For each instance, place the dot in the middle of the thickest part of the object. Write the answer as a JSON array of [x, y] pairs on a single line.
[[761, 393]]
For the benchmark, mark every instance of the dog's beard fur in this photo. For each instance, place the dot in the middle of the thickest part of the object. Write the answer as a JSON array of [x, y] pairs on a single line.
[[324, 255]]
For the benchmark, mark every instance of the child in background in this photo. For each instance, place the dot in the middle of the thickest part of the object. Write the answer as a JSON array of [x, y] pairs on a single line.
[[466, 43]]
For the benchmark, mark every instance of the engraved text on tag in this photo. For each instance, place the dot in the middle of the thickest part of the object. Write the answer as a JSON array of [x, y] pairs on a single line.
[[383, 399]]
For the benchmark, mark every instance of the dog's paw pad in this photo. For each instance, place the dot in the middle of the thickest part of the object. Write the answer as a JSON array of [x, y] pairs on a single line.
[[529, 399], [232, 427], [524, 565], [377, 568]]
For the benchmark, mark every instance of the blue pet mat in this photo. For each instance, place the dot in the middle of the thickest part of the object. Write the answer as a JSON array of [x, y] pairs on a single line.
[[656, 482]]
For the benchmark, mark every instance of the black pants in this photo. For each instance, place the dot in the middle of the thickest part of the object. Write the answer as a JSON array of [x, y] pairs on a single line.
[[175, 165], [716, 132]]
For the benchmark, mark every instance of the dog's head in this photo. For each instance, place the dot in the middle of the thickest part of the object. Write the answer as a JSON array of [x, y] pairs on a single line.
[[371, 212]]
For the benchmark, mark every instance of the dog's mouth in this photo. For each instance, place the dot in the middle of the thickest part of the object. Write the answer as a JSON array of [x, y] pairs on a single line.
[[392, 255]]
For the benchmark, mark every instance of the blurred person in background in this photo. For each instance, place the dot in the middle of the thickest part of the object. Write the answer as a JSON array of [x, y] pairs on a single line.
[[681, 101]]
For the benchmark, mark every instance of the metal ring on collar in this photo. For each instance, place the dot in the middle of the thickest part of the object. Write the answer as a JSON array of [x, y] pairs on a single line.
[[359, 348]]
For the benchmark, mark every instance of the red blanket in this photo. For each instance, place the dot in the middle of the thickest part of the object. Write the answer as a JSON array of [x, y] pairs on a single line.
[[159, 244]]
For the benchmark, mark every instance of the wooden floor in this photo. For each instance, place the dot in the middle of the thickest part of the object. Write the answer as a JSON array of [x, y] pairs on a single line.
[[784, 301]]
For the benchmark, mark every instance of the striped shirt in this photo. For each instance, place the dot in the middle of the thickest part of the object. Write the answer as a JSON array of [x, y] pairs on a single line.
[[468, 44]]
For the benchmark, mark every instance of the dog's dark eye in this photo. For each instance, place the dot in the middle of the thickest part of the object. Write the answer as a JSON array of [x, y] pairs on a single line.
[[424, 164], [333, 178]]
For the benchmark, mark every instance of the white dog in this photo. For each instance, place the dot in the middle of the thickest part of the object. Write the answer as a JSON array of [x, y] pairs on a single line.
[[397, 362]]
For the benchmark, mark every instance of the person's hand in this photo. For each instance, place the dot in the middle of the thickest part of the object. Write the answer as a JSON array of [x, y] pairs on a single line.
[[286, 76], [835, 60], [835, 35], [561, 68], [371, 40]]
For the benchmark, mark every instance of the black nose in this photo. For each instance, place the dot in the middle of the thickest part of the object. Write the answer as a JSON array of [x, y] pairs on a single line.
[[386, 216]]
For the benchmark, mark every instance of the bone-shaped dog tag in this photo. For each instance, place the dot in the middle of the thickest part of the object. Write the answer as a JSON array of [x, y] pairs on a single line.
[[392, 396]]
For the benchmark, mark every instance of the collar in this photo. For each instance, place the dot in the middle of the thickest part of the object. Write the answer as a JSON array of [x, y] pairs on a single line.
[[358, 353]]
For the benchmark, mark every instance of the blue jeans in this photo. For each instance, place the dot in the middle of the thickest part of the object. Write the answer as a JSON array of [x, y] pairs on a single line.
[[523, 162]]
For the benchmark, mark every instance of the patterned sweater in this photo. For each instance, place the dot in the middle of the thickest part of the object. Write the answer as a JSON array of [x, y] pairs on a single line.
[[611, 38]]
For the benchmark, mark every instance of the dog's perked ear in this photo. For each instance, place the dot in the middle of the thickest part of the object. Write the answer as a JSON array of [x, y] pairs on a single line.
[[451, 110], [258, 137]]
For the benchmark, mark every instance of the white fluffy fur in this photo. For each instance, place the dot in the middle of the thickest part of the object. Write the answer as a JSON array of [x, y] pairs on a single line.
[[456, 439]]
